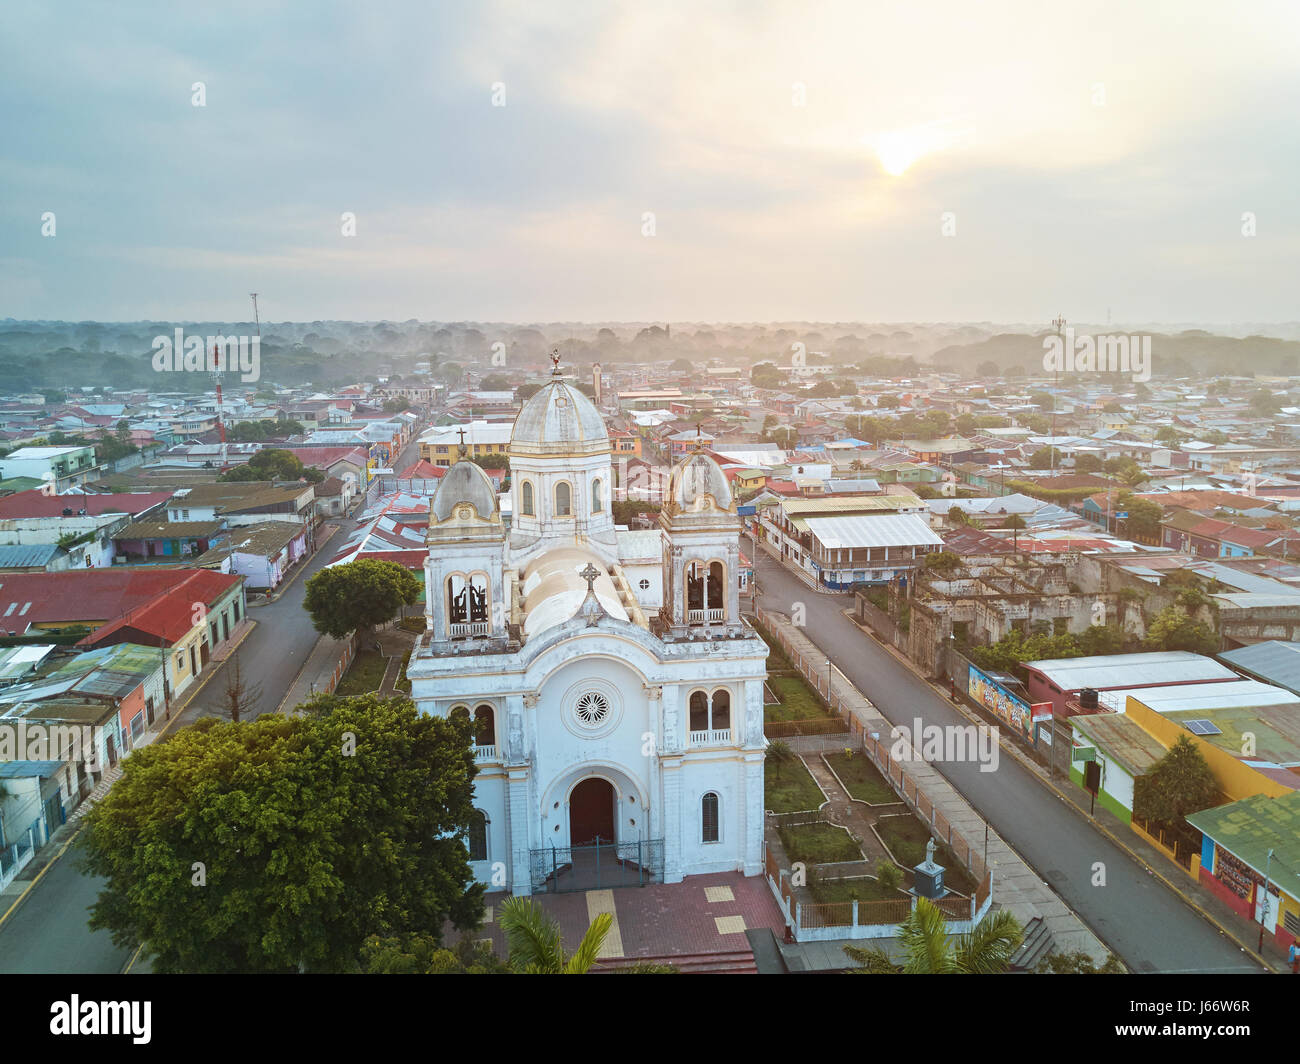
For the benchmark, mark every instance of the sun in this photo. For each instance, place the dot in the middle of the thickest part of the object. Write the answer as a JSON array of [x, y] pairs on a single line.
[[898, 151]]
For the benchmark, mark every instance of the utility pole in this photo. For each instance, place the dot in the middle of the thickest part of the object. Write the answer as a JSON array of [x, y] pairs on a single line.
[[1059, 322]]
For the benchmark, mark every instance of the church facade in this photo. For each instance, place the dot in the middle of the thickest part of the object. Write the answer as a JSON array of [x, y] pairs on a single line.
[[615, 691]]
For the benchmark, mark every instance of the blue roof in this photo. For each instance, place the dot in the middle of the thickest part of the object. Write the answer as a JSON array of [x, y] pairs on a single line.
[[16, 770], [27, 555]]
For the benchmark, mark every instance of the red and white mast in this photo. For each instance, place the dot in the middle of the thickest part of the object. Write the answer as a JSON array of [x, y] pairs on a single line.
[[221, 425]]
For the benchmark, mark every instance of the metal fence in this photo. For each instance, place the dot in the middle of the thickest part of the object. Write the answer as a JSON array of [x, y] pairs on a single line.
[[602, 865]]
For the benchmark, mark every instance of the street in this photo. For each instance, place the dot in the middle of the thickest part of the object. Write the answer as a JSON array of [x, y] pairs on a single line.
[[1148, 925]]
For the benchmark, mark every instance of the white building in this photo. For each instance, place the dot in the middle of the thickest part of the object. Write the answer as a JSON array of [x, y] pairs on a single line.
[[612, 705]]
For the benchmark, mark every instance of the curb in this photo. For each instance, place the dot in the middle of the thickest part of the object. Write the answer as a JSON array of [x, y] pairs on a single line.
[[1009, 747]]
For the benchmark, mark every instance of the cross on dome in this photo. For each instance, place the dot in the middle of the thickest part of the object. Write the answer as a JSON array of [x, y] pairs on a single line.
[[589, 574]]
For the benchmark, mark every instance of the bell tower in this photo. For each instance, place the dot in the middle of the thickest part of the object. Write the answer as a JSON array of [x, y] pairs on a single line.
[[466, 598], [701, 552]]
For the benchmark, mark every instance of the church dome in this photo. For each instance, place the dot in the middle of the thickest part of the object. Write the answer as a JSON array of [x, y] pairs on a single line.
[[464, 482], [559, 420], [694, 477]]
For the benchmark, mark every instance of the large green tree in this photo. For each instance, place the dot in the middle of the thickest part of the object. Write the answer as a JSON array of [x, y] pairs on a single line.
[[356, 596], [282, 844]]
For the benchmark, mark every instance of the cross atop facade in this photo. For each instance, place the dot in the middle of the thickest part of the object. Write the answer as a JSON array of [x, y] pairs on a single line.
[[462, 441], [1059, 322], [589, 574]]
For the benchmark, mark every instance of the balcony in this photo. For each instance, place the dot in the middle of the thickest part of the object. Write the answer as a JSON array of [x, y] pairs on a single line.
[[461, 631], [711, 737], [706, 616], [485, 753]]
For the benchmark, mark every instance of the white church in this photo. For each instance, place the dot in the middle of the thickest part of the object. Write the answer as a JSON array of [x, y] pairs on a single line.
[[615, 692]]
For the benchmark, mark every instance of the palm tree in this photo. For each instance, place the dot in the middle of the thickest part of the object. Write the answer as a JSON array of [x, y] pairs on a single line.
[[930, 950], [778, 753], [533, 939]]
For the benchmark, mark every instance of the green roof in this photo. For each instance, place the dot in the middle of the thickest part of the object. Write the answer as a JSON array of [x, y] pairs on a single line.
[[1250, 828]]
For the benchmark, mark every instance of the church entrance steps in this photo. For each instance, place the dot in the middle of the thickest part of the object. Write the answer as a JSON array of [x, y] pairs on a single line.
[[736, 962]]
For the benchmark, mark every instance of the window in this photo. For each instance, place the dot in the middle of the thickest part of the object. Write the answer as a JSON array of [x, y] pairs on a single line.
[[563, 500], [476, 839], [180, 662], [699, 711], [709, 817], [597, 503], [528, 498], [484, 726], [721, 716], [644, 585]]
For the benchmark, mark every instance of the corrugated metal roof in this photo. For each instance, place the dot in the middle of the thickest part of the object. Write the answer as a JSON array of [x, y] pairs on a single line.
[[27, 555], [1274, 662], [872, 530], [1130, 670], [1177, 698]]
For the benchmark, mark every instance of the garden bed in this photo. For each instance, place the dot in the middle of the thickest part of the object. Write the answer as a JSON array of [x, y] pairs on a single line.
[[790, 787], [859, 888], [819, 844], [797, 700], [905, 836], [364, 675], [859, 777]]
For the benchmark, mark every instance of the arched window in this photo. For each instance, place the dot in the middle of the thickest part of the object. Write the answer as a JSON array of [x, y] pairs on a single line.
[[476, 838], [467, 599], [460, 714], [563, 499], [717, 580], [528, 497], [485, 732], [721, 716], [597, 502], [699, 711], [709, 817]]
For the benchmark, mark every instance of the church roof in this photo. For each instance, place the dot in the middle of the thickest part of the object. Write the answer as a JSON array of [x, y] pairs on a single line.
[[559, 420], [553, 590], [464, 482], [695, 476]]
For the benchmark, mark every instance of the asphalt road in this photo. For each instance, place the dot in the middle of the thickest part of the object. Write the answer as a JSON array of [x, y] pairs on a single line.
[[1148, 925], [48, 932]]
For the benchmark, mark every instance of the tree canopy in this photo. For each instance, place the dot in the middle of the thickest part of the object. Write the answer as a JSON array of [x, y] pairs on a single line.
[[282, 844], [356, 596], [274, 463], [1179, 783]]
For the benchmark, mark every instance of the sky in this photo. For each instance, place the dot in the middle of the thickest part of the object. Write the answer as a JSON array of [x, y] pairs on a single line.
[[675, 161]]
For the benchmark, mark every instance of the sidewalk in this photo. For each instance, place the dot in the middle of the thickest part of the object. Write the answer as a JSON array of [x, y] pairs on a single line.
[[1243, 932], [794, 570], [317, 672], [1016, 886]]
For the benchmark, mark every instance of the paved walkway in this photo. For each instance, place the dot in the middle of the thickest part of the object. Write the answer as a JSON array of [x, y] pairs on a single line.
[[699, 924], [1016, 886]]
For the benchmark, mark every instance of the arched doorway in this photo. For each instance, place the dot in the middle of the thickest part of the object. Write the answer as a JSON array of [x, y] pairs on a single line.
[[591, 812]]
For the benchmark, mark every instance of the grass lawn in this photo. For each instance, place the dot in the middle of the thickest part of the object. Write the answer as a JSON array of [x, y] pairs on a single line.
[[862, 888], [906, 837], [861, 779], [797, 701], [789, 788], [364, 675], [819, 843]]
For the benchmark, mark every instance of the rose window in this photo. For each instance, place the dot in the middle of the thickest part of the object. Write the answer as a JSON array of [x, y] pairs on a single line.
[[592, 709]]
